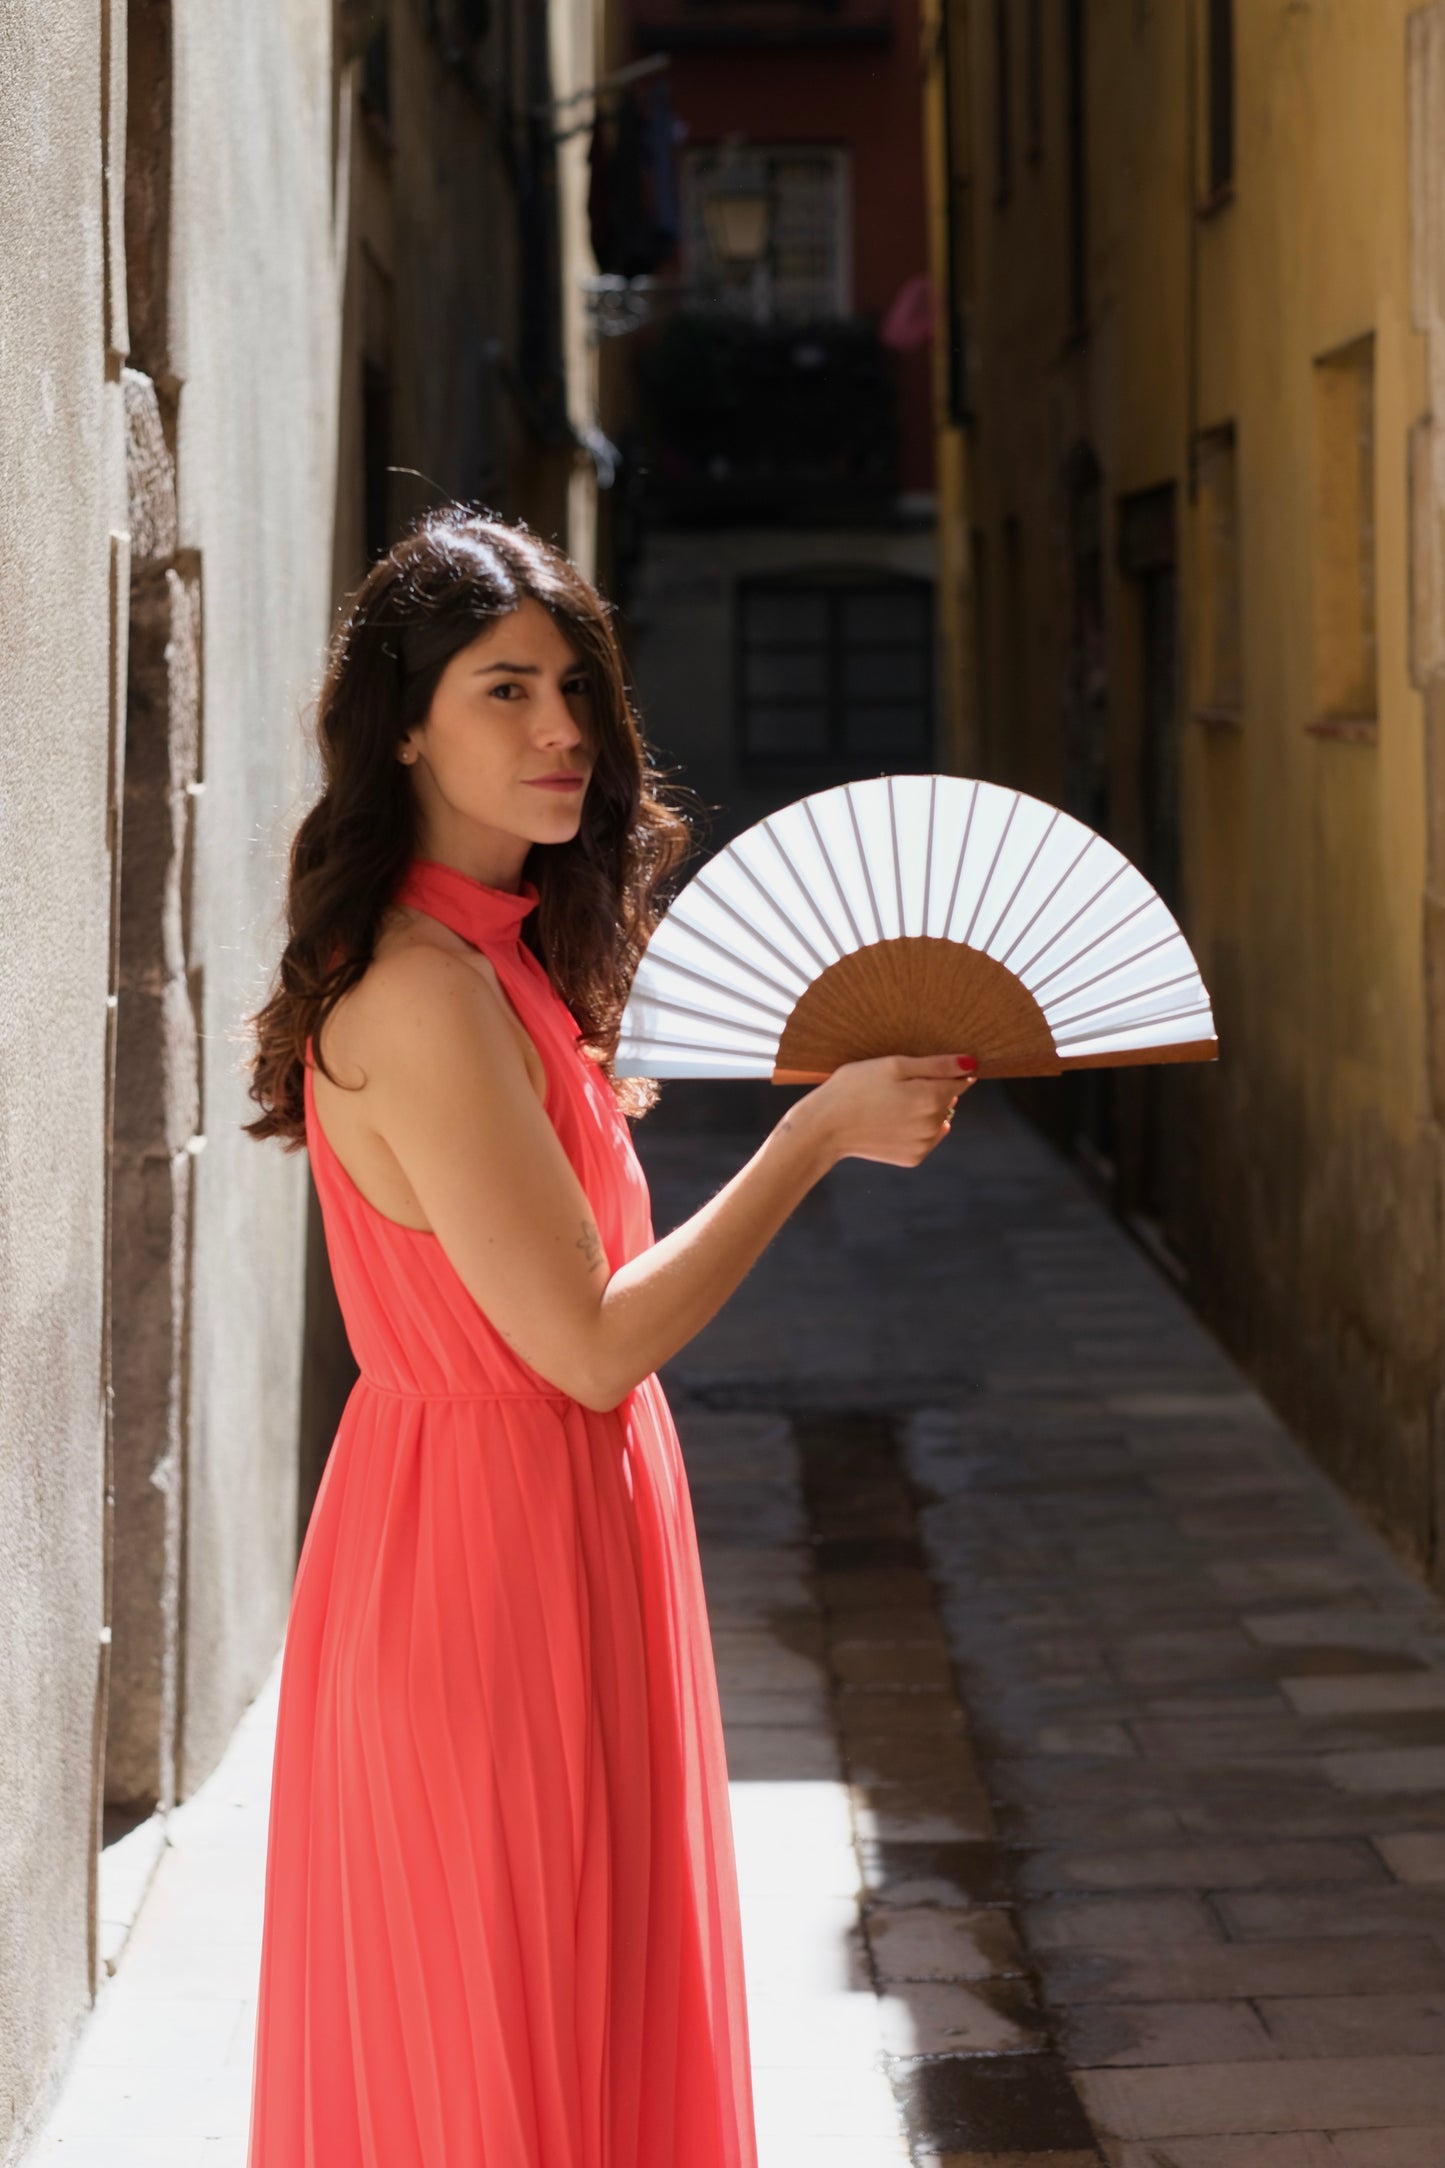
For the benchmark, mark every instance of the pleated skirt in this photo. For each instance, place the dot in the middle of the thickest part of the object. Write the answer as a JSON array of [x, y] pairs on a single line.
[[501, 1920]]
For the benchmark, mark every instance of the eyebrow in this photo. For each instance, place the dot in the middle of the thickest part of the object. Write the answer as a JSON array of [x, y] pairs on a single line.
[[523, 669]]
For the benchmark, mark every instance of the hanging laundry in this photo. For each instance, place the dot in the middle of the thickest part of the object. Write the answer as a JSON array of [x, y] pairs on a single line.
[[633, 195], [666, 195], [600, 214]]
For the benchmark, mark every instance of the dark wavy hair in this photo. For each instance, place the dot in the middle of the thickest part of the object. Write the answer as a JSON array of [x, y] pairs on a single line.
[[452, 576]]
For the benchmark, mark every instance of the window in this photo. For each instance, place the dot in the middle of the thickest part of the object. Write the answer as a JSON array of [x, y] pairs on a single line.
[[1002, 101], [836, 669], [803, 271], [1219, 83], [1346, 688], [1219, 685]]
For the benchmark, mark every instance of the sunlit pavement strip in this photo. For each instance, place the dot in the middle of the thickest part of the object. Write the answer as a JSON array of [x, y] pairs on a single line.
[[817, 2072], [161, 2075], [820, 2084]]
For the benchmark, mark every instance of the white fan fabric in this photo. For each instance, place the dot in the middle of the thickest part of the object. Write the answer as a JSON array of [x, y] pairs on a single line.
[[939, 855]]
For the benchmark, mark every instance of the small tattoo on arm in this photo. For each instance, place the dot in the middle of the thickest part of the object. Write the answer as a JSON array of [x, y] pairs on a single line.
[[589, 1242]]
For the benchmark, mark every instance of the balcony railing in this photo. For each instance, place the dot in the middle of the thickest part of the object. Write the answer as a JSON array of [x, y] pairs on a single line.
[[744, 421]]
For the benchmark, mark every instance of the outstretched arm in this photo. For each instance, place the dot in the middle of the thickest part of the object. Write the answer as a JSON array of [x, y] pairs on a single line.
[[448, 1091]]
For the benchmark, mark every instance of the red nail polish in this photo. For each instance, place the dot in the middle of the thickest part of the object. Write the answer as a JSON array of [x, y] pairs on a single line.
[[965, 1061]]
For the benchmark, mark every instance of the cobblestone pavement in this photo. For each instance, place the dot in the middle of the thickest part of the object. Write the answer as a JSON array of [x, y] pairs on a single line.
[[1088, 1754], [1168, 1888]]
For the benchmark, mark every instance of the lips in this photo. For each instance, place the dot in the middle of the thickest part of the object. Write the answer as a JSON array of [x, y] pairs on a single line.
[[555, 782]]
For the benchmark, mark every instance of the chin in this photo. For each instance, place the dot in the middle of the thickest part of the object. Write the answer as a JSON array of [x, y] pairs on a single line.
[[560, 828]]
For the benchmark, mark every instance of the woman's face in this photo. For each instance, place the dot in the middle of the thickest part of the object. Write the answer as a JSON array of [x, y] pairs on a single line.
[[503, 758]]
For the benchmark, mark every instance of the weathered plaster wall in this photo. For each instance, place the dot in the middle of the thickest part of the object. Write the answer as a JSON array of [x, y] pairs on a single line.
[[1302, 1177], [62, 496], [1312, 1211], [249, 360], [255, 342], [470, 246]]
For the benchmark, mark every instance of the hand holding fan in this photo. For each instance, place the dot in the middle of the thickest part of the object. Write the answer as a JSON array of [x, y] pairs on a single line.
[[914, 914]]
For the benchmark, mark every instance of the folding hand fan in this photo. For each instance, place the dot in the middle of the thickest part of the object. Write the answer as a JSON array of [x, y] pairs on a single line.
[[914, 914]]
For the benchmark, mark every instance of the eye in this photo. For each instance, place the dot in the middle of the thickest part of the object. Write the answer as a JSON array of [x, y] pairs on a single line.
[[504, 689], [578, 688]]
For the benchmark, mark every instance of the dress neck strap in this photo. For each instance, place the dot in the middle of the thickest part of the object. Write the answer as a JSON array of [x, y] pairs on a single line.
[[487, 917]]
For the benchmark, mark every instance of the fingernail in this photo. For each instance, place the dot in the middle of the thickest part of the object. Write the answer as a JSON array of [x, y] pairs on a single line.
[[965, 1061]]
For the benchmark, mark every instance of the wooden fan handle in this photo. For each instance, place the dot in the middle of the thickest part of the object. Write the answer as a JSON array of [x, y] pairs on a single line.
[[1134, 1057], [920, 995]]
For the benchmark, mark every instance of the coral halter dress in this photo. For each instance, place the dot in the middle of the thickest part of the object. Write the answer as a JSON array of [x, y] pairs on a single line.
[[501, 1915]]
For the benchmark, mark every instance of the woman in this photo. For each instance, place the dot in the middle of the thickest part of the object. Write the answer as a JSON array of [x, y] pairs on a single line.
[[501, 1925]]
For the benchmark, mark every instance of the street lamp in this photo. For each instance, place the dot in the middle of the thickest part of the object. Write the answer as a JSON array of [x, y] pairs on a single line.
[[737, 212]]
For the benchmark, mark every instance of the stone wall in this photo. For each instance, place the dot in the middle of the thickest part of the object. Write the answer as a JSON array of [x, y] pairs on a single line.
[[62, 628], [170, 326]]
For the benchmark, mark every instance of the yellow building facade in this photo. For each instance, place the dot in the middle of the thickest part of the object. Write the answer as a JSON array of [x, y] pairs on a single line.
[[1190, 258]]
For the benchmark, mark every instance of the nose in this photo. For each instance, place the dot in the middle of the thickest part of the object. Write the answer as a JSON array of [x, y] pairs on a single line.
[[556, 724]]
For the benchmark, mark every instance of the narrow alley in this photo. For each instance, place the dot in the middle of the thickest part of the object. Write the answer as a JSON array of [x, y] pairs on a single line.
[[1038, 405], [1087, 1750]]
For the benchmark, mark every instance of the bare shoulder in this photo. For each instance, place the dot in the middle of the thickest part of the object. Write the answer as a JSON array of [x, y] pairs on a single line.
[[424, 998]]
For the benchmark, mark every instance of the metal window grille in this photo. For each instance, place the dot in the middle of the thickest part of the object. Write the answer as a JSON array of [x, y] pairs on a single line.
[[803, 274], [835, 671]]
